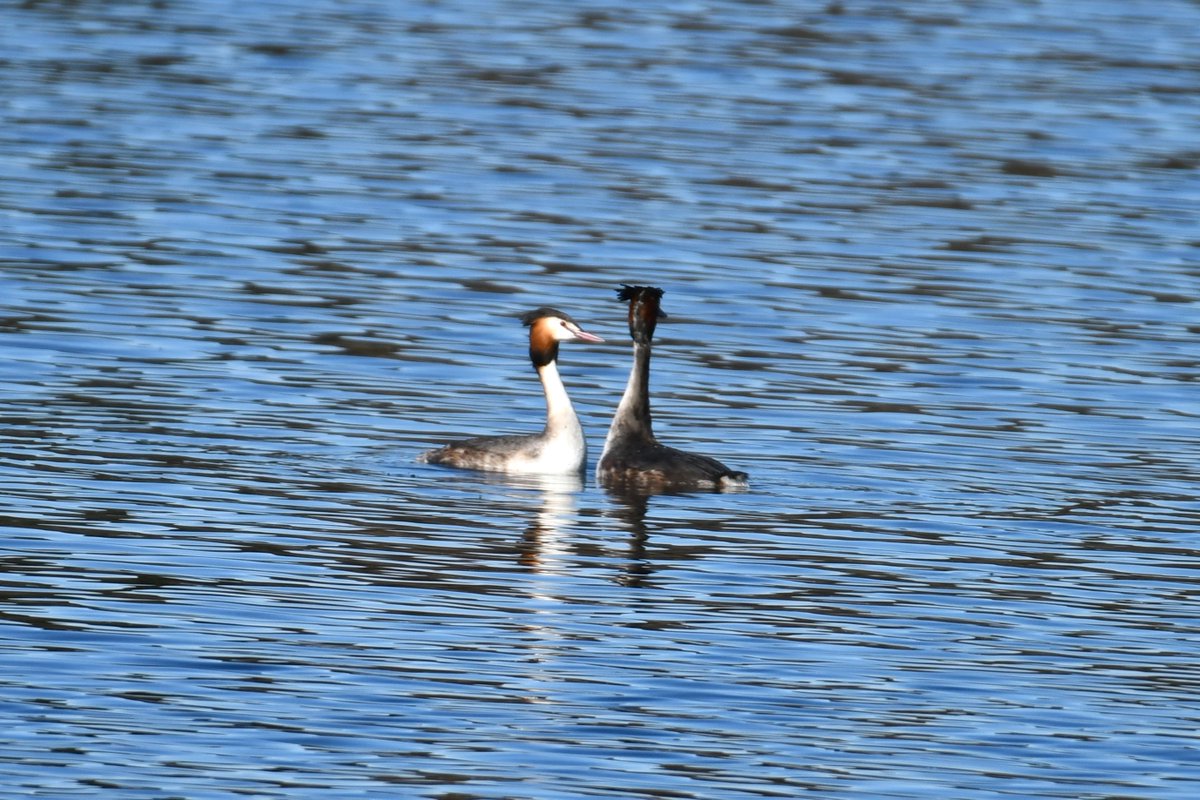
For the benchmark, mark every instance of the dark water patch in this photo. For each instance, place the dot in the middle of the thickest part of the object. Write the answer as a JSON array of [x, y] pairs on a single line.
[[1030, 168]]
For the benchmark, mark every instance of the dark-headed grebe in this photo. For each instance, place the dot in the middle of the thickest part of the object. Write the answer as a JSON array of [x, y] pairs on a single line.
[[560, 448], [632, 457]]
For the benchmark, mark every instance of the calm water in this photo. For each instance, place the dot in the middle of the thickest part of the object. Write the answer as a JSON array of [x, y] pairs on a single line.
[[932, 270]]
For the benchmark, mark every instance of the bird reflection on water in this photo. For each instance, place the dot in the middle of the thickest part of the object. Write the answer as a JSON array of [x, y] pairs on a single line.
[[545, 546]]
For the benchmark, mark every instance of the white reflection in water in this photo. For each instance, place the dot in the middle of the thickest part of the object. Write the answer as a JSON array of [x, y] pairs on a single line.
[[546, 542]]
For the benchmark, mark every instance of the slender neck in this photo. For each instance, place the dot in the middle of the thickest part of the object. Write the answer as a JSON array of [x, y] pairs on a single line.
[[633, 413], [560, 414]]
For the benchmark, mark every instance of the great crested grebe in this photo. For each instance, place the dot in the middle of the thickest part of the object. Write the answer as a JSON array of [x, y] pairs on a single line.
[[560, 447], [632, 457]]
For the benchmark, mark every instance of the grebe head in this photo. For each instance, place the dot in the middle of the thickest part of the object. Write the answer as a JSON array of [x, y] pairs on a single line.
[[644, 310], [555, 325], [548, 327]]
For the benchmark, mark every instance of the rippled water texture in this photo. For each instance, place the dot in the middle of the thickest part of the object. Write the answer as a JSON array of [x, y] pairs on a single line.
[[932, 275]]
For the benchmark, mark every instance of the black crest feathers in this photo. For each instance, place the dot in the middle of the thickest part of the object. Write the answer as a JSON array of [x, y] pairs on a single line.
[[530, 317], [644, 310]]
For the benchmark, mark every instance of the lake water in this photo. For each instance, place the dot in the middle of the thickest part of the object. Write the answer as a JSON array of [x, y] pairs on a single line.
[[932, 270]]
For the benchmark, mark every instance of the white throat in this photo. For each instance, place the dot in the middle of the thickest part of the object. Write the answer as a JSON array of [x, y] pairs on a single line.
[[563, 447]]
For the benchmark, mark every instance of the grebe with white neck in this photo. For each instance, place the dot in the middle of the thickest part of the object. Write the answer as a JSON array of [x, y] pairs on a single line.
[[560, 448], [633, 457]]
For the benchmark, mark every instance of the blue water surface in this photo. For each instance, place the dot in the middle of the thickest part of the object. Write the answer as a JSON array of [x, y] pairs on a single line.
[[932, 276]]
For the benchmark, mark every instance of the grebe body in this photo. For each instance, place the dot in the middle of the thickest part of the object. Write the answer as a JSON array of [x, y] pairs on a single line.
[[633, 457], [560, 447]]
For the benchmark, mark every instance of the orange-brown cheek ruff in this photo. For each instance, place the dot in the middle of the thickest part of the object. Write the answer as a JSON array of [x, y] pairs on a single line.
[[543, 347]]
